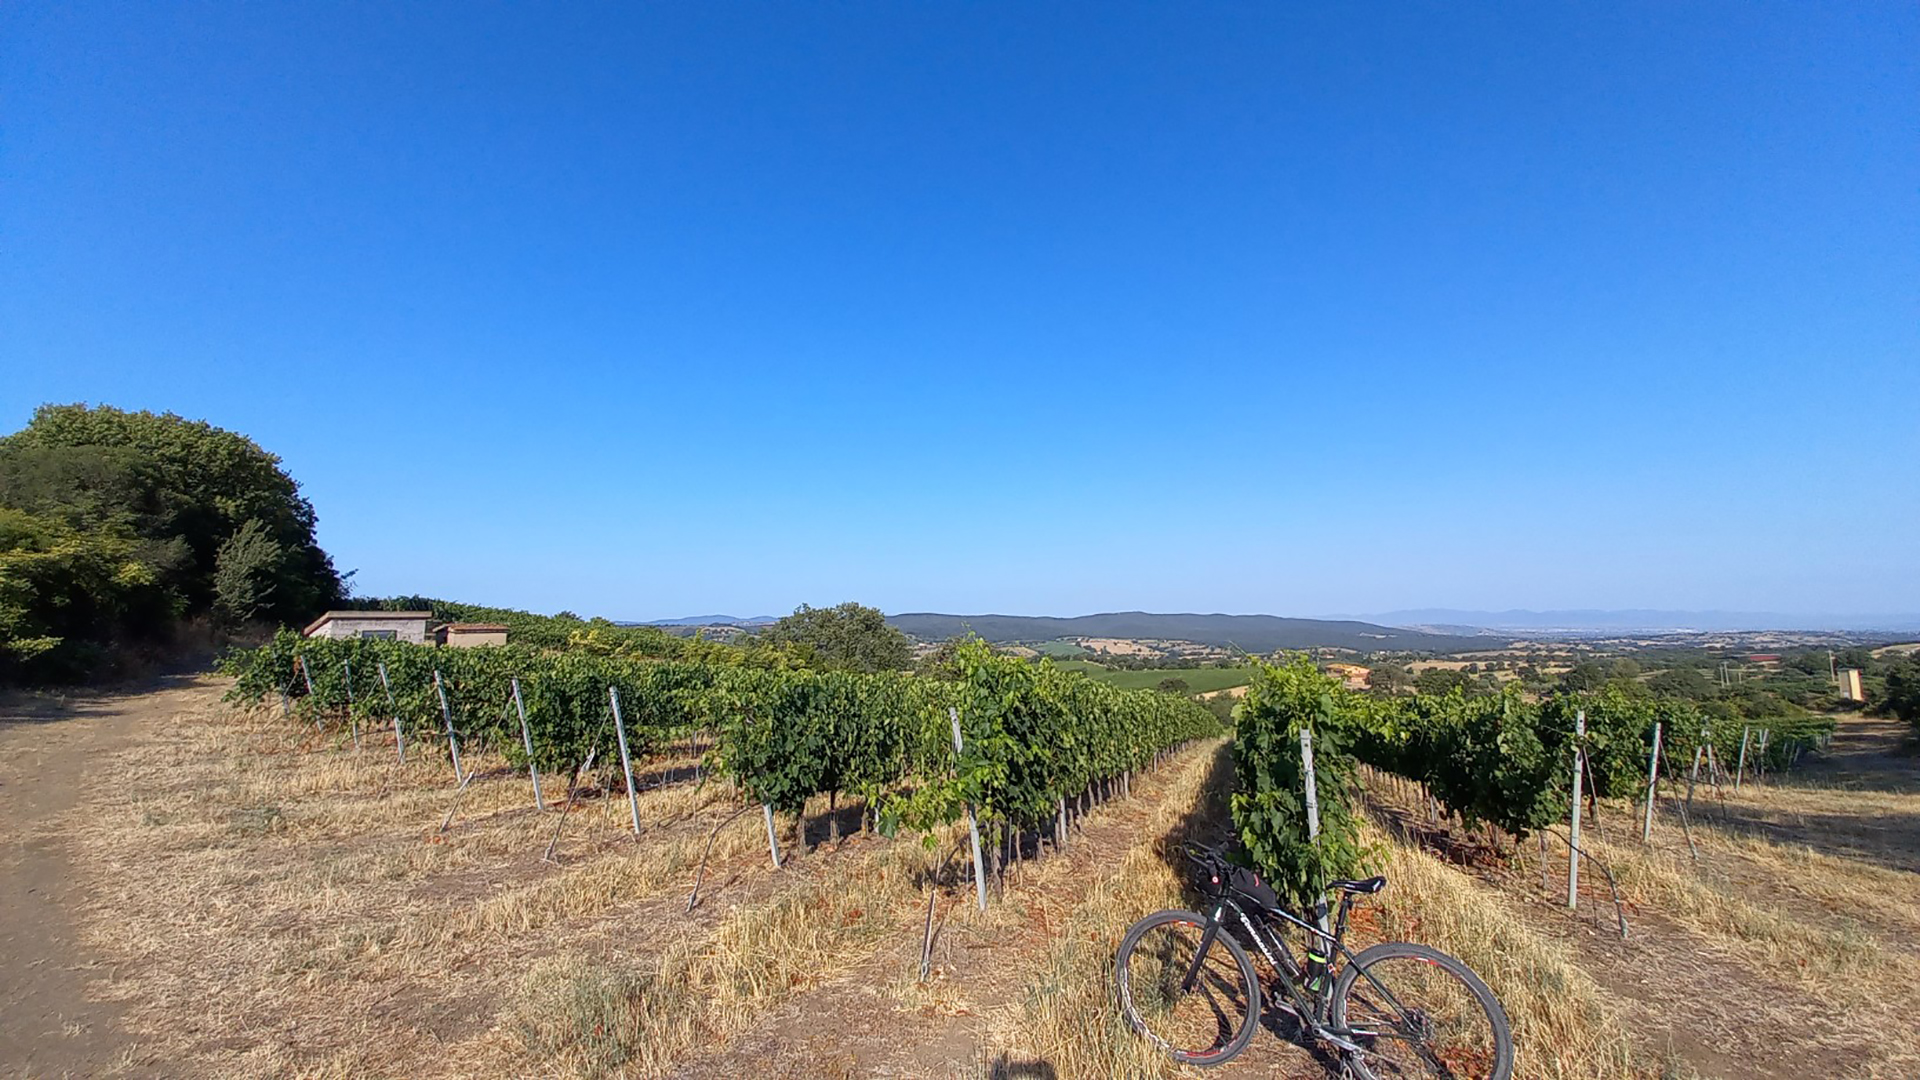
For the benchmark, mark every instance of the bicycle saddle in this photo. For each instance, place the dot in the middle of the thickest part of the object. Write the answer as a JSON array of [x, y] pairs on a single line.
[[1364, 888]]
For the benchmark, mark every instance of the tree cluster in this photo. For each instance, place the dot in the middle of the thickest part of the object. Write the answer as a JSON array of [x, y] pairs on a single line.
[[115, 526]]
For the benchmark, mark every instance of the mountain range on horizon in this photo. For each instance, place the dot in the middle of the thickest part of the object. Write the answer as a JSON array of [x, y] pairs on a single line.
[[1634, 619], [1430, 629], [710, 620]]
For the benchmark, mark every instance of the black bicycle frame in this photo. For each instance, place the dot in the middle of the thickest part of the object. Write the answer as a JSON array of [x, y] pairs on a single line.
[[1314, 1012]]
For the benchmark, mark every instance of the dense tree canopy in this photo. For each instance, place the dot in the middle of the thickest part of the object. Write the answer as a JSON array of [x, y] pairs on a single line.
[[119, 523], [1903, 690], [848, 637]]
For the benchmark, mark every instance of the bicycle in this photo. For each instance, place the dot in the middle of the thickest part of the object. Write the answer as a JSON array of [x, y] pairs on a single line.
[[1391, 1010]]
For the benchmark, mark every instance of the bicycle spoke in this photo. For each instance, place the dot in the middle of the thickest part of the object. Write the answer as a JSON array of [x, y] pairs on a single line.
[[1197, 1021], [1420, 1020]]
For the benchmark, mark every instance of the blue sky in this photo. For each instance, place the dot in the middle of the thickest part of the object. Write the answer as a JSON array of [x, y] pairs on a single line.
[[679, 308]]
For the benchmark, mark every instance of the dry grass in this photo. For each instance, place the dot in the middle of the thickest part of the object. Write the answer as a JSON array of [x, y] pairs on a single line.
[[1563, 1024], [1070, 1020], [1829, 941], [701, 991], [278, 911], [276, 908]]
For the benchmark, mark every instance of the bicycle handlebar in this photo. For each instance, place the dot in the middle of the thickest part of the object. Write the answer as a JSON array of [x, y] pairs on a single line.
[[1211, 860]]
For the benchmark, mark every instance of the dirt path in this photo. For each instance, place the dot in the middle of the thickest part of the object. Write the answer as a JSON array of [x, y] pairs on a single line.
[[49, 748]]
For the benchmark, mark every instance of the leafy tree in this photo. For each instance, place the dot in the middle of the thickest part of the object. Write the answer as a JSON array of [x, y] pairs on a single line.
[[243, 573], [1682, 682], [848, 637], [178, 488], [1385, 678], [1902, 698], [1586, 675], [1439, 681], [67, 595], [1172, 685]]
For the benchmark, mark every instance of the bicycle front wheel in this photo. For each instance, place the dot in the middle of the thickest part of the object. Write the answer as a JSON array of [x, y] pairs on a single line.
[[1417, 1012], [1204, 1023]]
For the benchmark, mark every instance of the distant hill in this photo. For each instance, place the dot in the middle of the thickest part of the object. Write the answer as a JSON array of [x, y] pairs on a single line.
[[1254, 633], [1637, 619], [711, 620]]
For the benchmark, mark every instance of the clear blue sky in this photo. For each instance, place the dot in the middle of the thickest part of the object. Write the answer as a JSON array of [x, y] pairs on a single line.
[[651, 310]]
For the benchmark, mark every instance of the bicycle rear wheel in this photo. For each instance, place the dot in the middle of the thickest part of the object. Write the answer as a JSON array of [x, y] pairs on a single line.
[[1417, 1012], [1205, 1025]]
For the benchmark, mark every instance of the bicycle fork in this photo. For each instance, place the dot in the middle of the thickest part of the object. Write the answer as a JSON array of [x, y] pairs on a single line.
[[1206, 942]]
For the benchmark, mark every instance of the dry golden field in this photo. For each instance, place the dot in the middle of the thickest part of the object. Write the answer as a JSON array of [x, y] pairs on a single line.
[[203, 892]]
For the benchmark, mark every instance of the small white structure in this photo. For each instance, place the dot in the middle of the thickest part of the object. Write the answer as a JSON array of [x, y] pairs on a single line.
[[392, 625], [467, 635], [1850, 687]]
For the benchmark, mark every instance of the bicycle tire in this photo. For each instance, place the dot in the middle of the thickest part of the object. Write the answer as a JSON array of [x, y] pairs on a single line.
[[1248, 991], [1500, 1067]]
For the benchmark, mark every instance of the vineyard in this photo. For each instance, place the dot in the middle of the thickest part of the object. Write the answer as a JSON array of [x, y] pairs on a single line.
[[319, 854], [1496, 760], [1012, 747]]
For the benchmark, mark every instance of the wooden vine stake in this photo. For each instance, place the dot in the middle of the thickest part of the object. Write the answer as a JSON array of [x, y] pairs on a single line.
[[1653, 781], [973, 824], [1313, 815], [399, 737], [526, 740], [1573, 845], [626, 761], [453, 738]]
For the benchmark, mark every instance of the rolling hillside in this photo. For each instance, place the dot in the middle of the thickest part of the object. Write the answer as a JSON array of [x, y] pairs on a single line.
[[1254, 633]]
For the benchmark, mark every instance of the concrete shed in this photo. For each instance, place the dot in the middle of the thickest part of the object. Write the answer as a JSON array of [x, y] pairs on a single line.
[[467, 635], [392, 625]]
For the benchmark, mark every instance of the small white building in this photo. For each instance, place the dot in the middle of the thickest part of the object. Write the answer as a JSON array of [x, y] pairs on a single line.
[[467, 635], [391, 625], [1850, 687]]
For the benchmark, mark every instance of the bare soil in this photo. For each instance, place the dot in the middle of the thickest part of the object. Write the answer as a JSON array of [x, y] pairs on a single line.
[[52, 749]]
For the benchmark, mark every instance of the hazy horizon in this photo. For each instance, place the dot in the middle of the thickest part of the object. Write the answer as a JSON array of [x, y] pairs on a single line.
[[1607, 618]]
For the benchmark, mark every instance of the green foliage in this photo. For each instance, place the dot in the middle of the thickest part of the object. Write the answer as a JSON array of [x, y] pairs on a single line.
[[1199, 680], [1586, 675], [1171, 685], [598, 637], [243, 573], [66, 595], [1902, 697], [1032, 734], [166, 480], [848, 637], [1269, 805], [121, 523], [1388, 678], [1442, 681], [1683, 681]]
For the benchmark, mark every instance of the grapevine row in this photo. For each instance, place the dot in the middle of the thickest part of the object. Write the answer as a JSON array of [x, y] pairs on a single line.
[[1031, 737], [1495, 758]]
